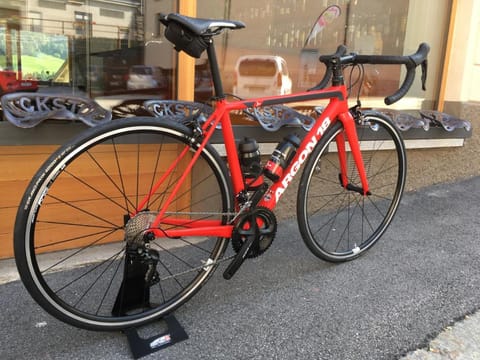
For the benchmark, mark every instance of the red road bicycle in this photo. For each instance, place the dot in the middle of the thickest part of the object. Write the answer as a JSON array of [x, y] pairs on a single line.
[[126, 222]]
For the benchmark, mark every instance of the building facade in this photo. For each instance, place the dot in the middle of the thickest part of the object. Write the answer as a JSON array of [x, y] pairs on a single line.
[[114, 52]]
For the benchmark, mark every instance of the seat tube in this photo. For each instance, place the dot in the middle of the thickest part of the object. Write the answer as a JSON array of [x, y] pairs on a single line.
[[351, 133], [231, 149]]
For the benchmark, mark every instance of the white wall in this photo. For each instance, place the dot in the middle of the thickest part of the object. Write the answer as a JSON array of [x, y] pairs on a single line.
[[464, 69], [472, 85], [424, 16]]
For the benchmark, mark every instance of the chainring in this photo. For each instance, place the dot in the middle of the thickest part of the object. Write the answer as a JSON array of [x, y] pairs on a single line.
[[264, 229]]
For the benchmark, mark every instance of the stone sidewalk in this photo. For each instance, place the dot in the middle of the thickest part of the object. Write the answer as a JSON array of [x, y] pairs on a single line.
[[460, 341]]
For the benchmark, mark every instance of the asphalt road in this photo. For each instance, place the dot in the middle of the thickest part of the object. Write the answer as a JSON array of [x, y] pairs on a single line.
[[422, 276]]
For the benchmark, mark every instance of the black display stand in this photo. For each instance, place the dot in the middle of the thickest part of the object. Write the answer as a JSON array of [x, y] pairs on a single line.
[[141, 347]]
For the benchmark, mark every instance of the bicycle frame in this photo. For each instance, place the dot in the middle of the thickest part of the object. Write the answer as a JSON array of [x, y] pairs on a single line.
[[336, 110]]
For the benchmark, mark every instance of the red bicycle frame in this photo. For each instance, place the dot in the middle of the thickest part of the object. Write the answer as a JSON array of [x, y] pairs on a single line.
[[336, 110]]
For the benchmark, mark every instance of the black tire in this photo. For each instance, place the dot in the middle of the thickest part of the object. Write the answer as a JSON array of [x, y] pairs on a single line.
[[339, 224], [83, 197]]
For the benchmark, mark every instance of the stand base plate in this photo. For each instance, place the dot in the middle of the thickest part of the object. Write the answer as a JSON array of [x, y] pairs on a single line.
[[141, 347]]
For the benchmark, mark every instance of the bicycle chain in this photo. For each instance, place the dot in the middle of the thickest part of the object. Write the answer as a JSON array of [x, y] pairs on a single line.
[[216, 263], [213, 263]]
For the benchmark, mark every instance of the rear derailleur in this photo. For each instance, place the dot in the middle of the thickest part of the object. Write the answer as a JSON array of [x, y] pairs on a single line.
[[140, 267]]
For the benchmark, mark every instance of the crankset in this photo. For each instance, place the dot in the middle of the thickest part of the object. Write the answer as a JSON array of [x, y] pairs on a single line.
[[253, 234]]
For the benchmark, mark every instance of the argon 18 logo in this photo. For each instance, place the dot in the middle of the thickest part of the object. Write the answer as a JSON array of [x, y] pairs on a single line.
[[302, 158]]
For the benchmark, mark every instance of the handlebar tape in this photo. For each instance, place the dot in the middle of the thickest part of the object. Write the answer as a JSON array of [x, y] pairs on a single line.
[[410, 62]]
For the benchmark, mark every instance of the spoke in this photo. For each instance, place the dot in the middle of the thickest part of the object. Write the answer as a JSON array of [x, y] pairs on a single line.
[[109, 285], [73, 224], [154, 172], [122, 191], [88, 272], [383, 171], [330, 195], [194, 245], [376, 188], [198, 268], [328, 180], [82, 210], [172, 276], [347, 227], [382, 197], [109, 263], [333, 217], [173, 255], [161, 197], [187, 191], [377, 208], [77, 252], [343, 193], [108, 232], [104, 196], [366, 217]]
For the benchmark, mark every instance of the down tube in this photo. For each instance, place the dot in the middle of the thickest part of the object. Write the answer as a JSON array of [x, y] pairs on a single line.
[[309, 142]]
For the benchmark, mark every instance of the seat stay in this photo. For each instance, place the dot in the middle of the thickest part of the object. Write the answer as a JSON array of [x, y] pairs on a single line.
[[183, 177]]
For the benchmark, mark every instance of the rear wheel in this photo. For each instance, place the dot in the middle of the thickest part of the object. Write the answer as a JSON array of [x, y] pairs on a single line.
[[338, 224], [78, 234]]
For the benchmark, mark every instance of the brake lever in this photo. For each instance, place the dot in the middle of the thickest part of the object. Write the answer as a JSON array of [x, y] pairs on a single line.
[[424, 74]]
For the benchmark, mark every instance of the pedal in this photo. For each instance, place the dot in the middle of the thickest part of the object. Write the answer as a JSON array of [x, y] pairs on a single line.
[[239, 258]]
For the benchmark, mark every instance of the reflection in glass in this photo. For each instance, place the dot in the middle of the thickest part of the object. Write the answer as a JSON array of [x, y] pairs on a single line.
[[300, 31], [85, 48]]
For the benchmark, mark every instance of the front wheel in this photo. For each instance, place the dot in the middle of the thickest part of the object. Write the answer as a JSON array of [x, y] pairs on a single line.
[[339, 224], [78, 242]]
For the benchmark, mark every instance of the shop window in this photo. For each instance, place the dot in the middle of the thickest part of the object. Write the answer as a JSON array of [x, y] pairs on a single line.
[[81, 48], [300, 31]]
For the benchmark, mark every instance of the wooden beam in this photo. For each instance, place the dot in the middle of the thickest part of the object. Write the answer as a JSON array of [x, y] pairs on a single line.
[[186, 64], [448, 53]]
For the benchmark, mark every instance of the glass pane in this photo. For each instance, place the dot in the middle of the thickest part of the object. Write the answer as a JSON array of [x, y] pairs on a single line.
[[297, 32], [108, 51]]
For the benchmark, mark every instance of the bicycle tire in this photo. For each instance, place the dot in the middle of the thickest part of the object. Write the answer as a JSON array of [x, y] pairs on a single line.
[[82, 199], [338, 224]]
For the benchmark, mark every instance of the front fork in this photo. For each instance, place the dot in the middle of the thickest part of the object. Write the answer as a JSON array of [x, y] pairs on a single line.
[[350, 133]]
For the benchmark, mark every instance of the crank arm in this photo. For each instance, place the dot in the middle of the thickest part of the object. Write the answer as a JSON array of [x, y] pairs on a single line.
[[239, 258]]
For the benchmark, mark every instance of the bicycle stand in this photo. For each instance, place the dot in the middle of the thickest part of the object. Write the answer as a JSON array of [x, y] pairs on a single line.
[[141, 347]]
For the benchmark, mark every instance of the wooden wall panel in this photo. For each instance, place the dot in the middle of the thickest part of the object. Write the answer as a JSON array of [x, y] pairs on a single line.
[[20, 163]]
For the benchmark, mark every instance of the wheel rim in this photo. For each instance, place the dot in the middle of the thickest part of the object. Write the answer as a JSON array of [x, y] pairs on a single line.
[[83, 282], [342, 224]]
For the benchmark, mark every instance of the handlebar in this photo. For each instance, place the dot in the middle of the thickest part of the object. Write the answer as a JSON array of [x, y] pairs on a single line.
[[335, 61], [341, 51]]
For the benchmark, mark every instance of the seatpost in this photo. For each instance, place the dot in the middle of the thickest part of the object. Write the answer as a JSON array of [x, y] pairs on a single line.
[[215, 71]]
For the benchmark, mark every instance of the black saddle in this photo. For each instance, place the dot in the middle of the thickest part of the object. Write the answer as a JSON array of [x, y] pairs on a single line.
[[201, 27]]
